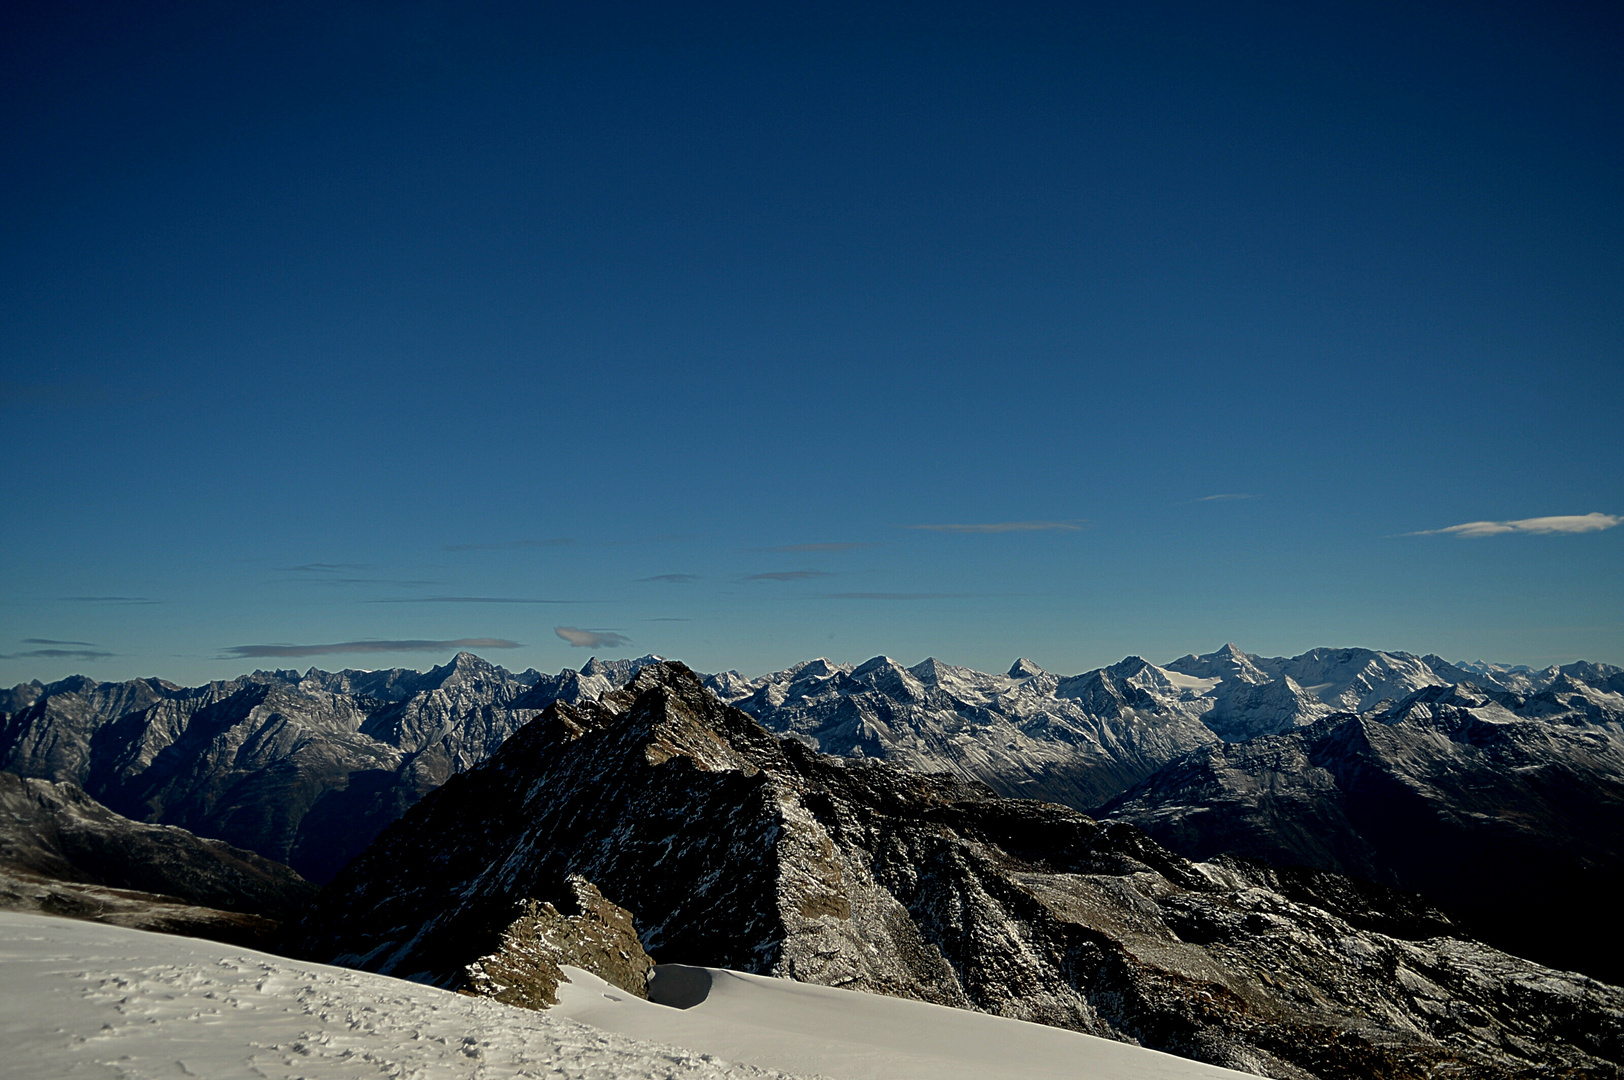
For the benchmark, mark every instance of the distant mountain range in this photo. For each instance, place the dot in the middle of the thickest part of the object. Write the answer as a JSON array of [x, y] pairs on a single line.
[[1497, 792], [304, 769]]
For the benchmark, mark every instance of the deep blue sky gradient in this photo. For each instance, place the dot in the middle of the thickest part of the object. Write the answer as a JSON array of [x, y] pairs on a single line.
[[308, 316]]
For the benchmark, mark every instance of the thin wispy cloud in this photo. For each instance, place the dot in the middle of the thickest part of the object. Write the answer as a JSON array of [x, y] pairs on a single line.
[[672, 579], [58, 650], [1002, 527], [511, 545], [323, 568], [897, 595], [788, 575], [791, 549], [1540, 526], [324, 581], [591, 639], [1227, 496], [370, 645], [470, 600]]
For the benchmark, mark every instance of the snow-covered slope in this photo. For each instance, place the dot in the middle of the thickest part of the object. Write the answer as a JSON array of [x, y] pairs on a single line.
[[87, 1000], [801, 1028]]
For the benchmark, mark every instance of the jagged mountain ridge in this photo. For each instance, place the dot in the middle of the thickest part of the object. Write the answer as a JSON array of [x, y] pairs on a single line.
[[306, 768], [735, 848], [1084, 739], [302, 768], [1510, 819]]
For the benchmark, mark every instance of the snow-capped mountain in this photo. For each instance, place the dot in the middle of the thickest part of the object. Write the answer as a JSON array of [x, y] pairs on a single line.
[[1082, 739], [1506, 810], [302, 768], [1027, 733], [307, 768], [733, 848]]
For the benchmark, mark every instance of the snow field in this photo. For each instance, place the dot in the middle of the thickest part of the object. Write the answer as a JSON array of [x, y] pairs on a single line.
[[88, 1000]]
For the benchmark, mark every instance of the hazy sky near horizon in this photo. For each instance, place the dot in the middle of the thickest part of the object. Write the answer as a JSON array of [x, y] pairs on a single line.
[[354, 334]]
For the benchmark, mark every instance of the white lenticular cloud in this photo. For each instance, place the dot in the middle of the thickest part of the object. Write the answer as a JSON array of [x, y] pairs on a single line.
[[591, 639], [1566, 523]]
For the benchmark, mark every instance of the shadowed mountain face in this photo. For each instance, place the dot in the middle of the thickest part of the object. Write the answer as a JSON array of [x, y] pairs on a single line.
[[64, 853], [304, 769], [1509, 821], [734, 848]]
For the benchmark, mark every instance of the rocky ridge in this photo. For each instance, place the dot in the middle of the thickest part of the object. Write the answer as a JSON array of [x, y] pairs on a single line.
[[304, 769], [63, 853], [735, 848], [1082, 740], [1509, 819]]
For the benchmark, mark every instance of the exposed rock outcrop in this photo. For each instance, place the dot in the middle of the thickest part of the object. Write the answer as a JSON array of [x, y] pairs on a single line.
[[597, 936]]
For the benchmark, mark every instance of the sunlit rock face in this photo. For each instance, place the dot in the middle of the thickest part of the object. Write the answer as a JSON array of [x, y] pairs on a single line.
[[732, 847], [592, 934], [1083, 739]]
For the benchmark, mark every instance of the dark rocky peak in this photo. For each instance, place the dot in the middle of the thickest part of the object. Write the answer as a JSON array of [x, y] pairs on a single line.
[[1025, 669], [109, 700], [732, 848], [280, 675], [593, 934], [465, 667], [82, 685]]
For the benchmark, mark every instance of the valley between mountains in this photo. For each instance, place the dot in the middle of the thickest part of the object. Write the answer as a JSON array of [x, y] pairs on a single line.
[[1346, 863]]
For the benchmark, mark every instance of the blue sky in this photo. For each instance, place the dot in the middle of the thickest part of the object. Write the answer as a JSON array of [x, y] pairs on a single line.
[[694, 331]]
